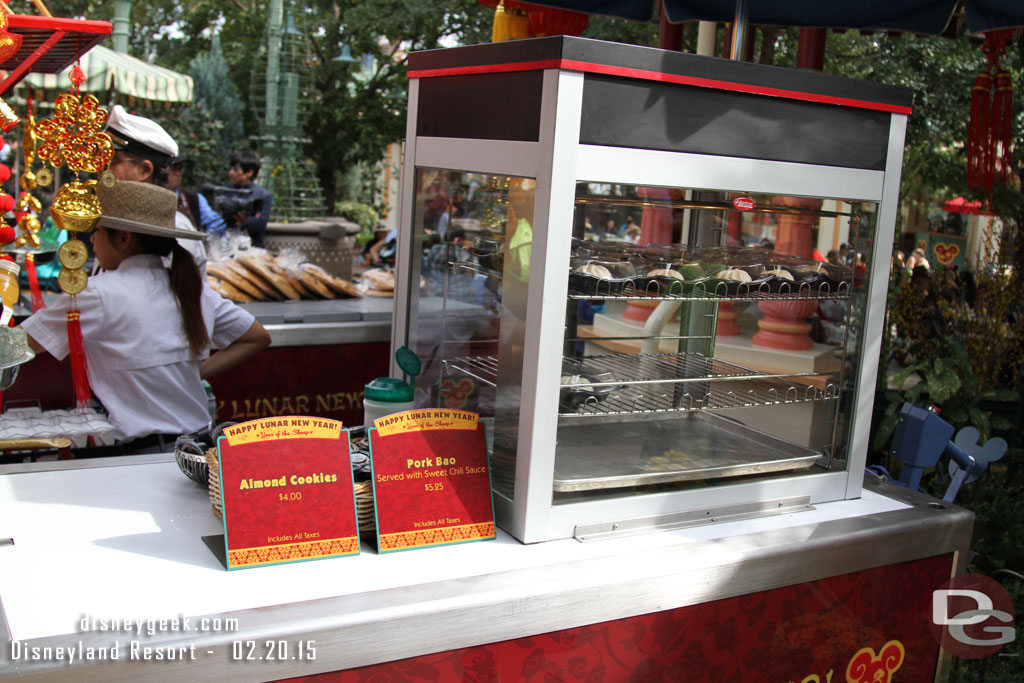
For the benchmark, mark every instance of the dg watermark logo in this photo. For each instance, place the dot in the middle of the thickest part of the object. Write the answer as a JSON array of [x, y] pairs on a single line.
[[972, 616]]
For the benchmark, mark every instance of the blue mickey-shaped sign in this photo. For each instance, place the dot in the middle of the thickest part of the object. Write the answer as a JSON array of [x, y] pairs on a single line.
[[967, 440]]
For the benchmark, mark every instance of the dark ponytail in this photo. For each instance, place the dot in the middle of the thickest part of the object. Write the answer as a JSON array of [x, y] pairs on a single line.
[[187, 285]]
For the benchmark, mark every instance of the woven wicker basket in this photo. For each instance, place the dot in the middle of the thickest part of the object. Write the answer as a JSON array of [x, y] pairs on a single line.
[[364, 497], [215, 497]]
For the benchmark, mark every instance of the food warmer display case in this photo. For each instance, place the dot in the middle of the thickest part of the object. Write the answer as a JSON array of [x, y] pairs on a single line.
[[653, 338]]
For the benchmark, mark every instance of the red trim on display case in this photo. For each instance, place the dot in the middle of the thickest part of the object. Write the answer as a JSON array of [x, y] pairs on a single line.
[[538, 65], [645, 74]]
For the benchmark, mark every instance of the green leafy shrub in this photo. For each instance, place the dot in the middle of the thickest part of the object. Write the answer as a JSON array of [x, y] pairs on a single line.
[[363, 215]]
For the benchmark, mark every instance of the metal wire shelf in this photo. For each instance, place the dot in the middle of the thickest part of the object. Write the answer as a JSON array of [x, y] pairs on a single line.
[[469, 266], [659, 368], [627, 385], [483, 369], [633, 400]]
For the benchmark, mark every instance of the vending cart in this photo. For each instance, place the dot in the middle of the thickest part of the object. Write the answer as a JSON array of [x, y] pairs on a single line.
[[608, 253]]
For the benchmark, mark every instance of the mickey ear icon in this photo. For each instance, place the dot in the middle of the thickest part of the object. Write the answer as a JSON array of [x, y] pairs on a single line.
[[967, 440]]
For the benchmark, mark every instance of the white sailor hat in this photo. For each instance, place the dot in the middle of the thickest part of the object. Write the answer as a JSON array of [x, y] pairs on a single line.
[[139, 136]]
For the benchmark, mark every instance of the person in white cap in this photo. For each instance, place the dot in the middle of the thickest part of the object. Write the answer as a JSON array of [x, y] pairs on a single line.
[[148, 330], [143, 152]]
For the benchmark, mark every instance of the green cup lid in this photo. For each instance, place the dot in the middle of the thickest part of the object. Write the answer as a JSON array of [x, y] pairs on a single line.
[[388, 390], [408, 361]]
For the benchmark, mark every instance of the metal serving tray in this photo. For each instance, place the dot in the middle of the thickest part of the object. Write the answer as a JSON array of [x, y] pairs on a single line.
[[700, 445]]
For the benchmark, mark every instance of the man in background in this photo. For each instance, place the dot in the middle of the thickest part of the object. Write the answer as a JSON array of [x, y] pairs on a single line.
[[194, 205], [245, 166]]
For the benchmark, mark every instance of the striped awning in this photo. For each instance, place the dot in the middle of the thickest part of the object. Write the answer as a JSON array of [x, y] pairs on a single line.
[[111, 76]]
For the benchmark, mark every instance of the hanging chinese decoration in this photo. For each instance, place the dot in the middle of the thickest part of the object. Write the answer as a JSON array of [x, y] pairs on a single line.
[[9, 44], [28, 180], [552, 21], [514, 20], [510, 22], [9, 271], [989, 141], [74, 137], [27, 209]]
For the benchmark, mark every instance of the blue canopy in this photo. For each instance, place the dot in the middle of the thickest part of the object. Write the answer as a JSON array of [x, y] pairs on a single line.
[[916, 16]]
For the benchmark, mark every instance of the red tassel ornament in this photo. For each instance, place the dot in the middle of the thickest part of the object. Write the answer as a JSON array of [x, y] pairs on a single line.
[[1001, 130], [79, 364], [989, 153], [977, 137], [33, 283]]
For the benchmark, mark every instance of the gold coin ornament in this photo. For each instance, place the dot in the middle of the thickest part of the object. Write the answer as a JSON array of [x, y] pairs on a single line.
[[108, 179], [44, 177], [72, 254], [73, 280]]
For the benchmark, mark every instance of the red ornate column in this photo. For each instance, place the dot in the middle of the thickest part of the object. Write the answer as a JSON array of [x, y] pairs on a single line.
[[794, 236], [810, 51], [785, 323]]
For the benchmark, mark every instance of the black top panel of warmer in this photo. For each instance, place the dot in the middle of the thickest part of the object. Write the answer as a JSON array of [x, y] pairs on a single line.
[[625, 112], [602, 56], [494, 106]]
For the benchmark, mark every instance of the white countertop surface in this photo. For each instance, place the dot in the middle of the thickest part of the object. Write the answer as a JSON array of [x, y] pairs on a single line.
[[125, 542]]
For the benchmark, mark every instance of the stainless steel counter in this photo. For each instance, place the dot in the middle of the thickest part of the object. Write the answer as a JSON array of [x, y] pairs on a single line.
[[121, 538], [342, 321], [337, 321]]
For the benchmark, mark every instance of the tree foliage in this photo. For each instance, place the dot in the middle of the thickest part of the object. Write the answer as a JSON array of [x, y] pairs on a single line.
[[360, 106], [217, 94]]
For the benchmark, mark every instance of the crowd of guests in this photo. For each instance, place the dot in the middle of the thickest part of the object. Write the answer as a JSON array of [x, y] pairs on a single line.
[[928, 302]]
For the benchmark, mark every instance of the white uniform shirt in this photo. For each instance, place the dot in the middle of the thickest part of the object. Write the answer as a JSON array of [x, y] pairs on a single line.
[[140, 365]]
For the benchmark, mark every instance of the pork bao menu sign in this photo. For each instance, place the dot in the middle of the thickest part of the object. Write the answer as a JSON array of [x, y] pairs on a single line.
[[431, 482], [287, 491]]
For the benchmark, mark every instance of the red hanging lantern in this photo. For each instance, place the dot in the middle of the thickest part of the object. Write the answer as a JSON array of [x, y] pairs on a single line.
[[509, 4], [552, 21], [545, 21]]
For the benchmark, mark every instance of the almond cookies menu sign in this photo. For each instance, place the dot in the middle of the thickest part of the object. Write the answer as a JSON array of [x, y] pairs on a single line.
[[287, 491], [431, 481]]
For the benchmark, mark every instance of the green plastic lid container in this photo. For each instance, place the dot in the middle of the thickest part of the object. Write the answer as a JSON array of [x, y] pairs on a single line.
[[388, 390]]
